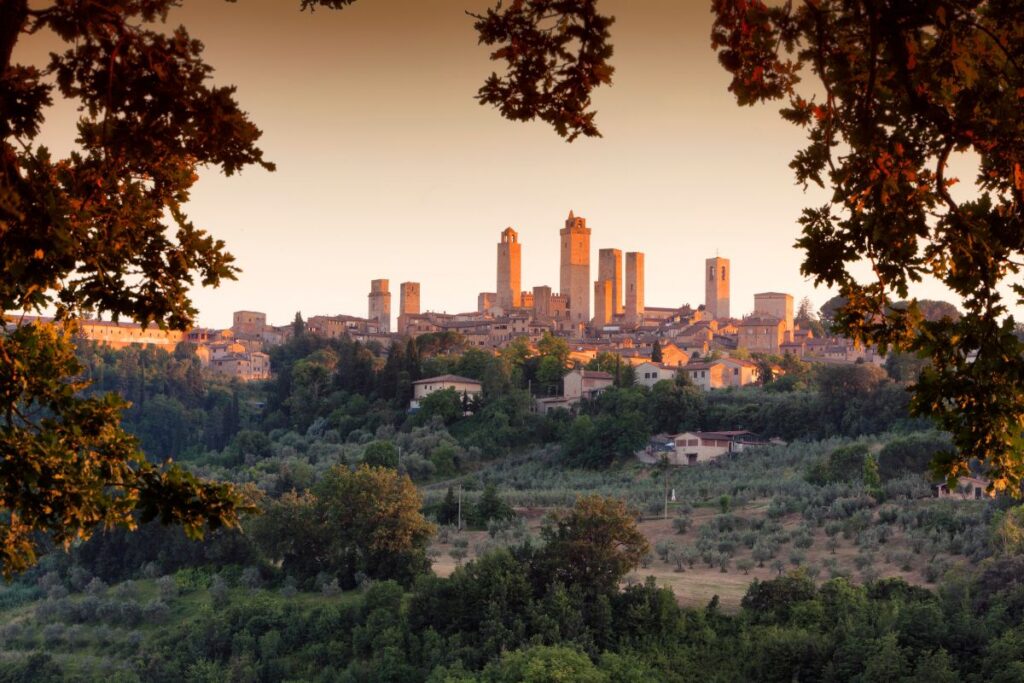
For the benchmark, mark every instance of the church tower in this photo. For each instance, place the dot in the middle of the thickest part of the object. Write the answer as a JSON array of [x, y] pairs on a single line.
[[574, 280], [717, 274]]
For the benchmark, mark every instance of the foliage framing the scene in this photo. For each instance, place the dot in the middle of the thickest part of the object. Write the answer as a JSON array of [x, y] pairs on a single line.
[[902, 88]]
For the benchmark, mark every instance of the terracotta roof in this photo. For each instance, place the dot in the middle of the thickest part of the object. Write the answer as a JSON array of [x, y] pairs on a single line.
[[699, 366], [448, 378], [596, 374]]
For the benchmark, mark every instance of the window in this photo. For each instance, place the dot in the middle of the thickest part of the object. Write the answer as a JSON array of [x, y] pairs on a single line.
[[723, 273]]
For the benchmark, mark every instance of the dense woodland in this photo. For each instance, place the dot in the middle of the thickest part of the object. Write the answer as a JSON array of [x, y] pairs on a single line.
[[851, 571]]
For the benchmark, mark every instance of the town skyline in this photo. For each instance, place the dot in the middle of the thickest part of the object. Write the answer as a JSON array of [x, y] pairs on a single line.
[[387, 166]]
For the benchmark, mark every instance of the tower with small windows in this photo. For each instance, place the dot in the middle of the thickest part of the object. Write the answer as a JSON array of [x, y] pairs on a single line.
[[716, 287]]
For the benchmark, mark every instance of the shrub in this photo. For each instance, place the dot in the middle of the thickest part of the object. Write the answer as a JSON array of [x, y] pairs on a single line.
[[681, 524], [156, 612], [219, 593], [167, 587], [664, 549]]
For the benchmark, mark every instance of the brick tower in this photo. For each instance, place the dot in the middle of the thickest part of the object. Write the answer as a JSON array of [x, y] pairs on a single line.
[[510, 263]]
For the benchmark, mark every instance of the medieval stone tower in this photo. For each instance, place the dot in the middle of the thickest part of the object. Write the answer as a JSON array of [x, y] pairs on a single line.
[[510, 263], [408, 303], [635, 287], [603, 305], [380, 304], [716, 287], [575, 272], [609, 267]]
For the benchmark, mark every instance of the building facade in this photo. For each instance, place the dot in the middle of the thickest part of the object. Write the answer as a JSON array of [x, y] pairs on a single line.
[[776, 305]]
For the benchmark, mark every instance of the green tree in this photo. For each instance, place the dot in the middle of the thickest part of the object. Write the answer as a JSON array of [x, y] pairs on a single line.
[[445, 404], [656, 356], [491, 506], [872, 479], [449, 510], [544, 664], [807, 320], [381, 454], [364, 521], [593, 545]]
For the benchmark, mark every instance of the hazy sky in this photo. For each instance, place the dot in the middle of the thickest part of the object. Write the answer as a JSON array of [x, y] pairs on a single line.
[[388, 168]]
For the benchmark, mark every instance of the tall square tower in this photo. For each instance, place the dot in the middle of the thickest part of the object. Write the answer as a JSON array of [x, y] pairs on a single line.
[[574, 280], [716, 287], [408, 303], [603, 305], [380, 304], [510, 263], [635, 306], [609, 267]]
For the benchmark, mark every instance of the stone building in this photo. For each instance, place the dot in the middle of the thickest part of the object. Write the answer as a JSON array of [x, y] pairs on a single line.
[[243, 366], [762, 334], [463, 386], [550, 307], [776, 305], [336, 326], [716, 287], [380, 304], [634, 287], [120, 335], [609, 267], [248, 324], [574, 280], [486, 301], [510, 262], [650, 373]]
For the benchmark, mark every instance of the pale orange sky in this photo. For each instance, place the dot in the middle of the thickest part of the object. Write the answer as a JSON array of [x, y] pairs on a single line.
[[388, 168]]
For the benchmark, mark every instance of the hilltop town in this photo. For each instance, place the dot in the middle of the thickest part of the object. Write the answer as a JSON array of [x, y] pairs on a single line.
[[606, 315]]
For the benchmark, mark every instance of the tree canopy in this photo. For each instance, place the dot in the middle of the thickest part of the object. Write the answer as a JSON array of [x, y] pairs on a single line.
[[896, 90]]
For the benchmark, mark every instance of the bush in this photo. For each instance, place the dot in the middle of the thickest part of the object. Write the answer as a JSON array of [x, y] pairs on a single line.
[[167, 587], [219, 593], [681, 524]]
